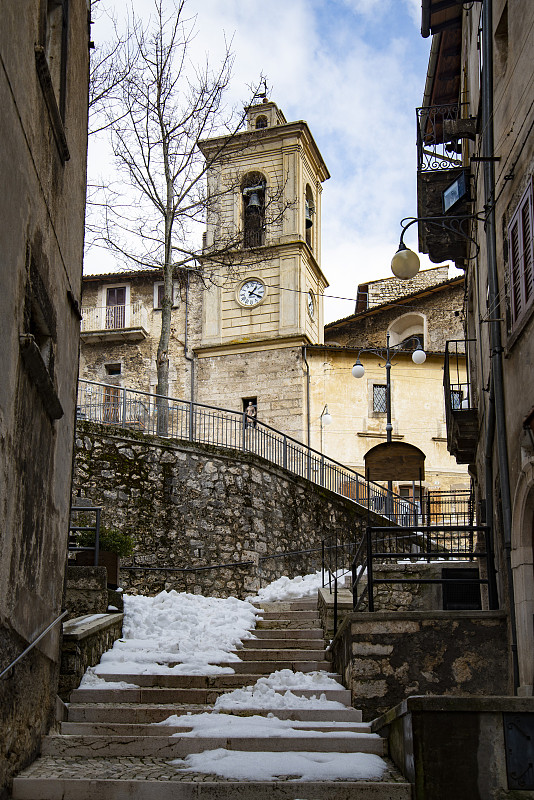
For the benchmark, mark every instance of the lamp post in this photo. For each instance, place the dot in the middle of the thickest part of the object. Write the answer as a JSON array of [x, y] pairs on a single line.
[[358, 371], [325, 419]]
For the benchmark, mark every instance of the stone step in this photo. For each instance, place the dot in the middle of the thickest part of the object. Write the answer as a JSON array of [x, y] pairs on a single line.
[[153, 729], [277, 624], [167, 696], [286, 654], [135, 713], [72, 746], [155, 779], [265, 667], [170, 681], [310, 617], [288, 605], [293, 634], [276, 642]]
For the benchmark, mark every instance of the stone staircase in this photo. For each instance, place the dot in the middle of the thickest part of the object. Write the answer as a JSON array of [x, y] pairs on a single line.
[[111, 746]]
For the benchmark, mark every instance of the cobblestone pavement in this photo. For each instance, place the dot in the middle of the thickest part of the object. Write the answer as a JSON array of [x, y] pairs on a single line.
[[147, 769]]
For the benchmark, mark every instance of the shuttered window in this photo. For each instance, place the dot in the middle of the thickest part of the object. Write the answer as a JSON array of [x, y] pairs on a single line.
[[521, 256]]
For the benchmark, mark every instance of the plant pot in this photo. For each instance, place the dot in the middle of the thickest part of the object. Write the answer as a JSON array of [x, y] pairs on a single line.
[[107, 559]]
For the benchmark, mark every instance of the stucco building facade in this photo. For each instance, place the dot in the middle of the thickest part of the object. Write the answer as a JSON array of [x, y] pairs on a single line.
[[475, 140], [43, 130]]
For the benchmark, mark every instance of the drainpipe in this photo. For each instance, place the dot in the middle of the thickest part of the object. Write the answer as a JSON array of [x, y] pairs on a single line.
[[496, 349], [307, 394], [189, 358]]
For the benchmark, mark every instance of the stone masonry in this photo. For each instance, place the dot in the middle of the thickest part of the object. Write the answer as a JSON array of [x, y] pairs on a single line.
[[191, 506]]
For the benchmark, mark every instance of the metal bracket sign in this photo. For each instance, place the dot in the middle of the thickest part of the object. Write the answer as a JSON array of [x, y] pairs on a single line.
[[519, 746]]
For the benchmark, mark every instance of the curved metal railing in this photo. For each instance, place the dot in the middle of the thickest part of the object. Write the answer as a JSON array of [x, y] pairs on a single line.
[[197, 422]]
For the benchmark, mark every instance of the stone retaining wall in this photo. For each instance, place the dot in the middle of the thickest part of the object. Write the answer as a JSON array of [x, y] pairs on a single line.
[[190, 506], [385, 657], [84, 640]]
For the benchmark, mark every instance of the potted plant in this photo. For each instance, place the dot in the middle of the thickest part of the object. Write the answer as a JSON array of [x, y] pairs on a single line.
[[112, 545]]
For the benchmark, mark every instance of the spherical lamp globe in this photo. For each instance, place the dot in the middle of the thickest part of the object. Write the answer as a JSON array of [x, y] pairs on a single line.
[[358, 370], [405, 263], [419, 356]]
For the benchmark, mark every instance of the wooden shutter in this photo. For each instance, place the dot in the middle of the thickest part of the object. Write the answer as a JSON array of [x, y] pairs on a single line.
[[520, 240]]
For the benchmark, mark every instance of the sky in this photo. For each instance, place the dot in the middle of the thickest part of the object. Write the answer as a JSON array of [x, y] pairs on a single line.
[[355, 71]]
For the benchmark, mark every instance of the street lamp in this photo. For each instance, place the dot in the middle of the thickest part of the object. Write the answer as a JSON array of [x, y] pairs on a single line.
[[405, 263], [358, 371]]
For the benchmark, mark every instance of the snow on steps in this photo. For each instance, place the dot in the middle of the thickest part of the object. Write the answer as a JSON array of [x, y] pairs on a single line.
[[109, 748]]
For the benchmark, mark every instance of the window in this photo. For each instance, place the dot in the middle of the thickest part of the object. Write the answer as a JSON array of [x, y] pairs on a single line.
[[158, 295], [261, 121], [253, 192], [405, 328], [456, 399], [56, 38], [111, 404], [379, 398], [115, 307], [521, 254], [309, 213], [113, 369]]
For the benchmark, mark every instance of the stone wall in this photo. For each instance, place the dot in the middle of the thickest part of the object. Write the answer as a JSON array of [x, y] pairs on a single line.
[[193, 506], [385, 657], [84, 641]]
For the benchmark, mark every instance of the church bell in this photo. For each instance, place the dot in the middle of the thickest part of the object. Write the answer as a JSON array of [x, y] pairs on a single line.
[[309, 221], [254, 204]]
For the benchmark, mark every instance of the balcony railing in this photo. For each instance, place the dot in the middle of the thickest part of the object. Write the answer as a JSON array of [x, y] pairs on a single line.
[[437, 149], [182, 419], [461, 412], [128, 320]]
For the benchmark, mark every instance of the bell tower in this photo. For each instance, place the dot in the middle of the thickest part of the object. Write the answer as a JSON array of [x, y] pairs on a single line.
[[267, 182], [265, 187]]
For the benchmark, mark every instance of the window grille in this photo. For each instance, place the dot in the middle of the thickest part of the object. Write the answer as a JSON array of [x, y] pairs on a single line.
[[456, 398], [379, 398]]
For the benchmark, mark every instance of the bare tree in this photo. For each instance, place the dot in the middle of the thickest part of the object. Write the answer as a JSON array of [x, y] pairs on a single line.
[[168, 106]]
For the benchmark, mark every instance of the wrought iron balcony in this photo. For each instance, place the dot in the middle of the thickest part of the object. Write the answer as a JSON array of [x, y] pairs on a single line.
[[440, 130], [118, 323], [461, 412]]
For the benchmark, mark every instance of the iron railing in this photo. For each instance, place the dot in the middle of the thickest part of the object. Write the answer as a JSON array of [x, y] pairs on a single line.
[[435, 150], [108, 318], [74, 529], [457, 374], [196, 422], [5, 672], [426, 543]]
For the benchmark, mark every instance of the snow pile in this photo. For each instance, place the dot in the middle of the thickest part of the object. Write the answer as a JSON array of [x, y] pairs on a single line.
[[289, 588], [269, 766], [179, 633], [223, 725], [275, 692], [92, 681]]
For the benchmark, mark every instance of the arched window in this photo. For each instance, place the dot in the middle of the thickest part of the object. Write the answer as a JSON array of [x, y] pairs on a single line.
[[253, 193], [309, 215], [405, 328], [261, 121]]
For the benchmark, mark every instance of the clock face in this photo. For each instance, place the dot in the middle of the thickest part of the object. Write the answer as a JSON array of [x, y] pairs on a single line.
[[311, 305], [251, 292]]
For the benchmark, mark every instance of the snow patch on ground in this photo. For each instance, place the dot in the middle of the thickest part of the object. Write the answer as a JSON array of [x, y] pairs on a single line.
[[179, 633], [263, 766], [289, 588], [92, 681]]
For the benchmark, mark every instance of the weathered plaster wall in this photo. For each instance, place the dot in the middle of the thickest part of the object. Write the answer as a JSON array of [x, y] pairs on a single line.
[[42, 205], [190, 505], [385, 657]]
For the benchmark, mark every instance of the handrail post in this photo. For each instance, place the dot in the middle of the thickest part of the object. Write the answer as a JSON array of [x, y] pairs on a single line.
[[322, 563], [244, 432], [191, 437], [97, 535], [285, 452], [370, 598], [335, 604], [124, 406]]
